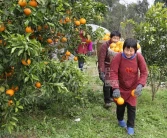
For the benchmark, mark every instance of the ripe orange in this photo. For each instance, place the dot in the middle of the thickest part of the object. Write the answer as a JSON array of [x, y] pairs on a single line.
[[67, 19], [28, 29], [88, 41], [116, 49], [10, 92], [49, 40], [22, 3], [56, 40], [120, 101], [26, 62], [67, 53], [77, 23], [33, 3], [63, 39], [15, 88], [38, 84], [2, 27], [10, 102], [82, 20], [27, 11], [106, 37], [133, 93], [138, 46], [112, 45], [75, 58]]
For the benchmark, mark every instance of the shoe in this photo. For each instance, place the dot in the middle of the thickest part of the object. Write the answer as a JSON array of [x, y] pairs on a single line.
[[130, 130], [107, 105], [122, 123]]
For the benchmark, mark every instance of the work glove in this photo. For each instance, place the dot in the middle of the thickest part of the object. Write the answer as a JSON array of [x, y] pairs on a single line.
[[138, 90], [102, 76], [116, 93]]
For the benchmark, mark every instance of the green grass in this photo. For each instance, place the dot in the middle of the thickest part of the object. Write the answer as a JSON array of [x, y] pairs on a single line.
[[95, 121]]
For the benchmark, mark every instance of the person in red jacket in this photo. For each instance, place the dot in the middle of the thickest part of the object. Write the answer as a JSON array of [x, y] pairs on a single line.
[[82, 50], [104, 66], [128, 72]]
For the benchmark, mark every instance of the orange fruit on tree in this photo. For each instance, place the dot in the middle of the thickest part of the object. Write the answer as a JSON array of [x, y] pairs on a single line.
[[63, 39], [28, 29], [10, 102], [2, 27], [22, 3], [38, 84], [1, 41], [49, 41], [56, 40], [120, 101], [82, 21], [75, 58], [133, 93], [26, 62], [67, 53], [27, 11], [77, 23], [15, 88], [10, 92], [33, 3], [88, 41], [67, 19]]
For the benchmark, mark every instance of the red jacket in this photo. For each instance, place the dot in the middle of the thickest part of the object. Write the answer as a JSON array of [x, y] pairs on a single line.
[[125, 75], [83, 47], [104, 59]]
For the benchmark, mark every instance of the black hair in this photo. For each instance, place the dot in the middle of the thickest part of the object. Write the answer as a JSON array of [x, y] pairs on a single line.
[[130, 42], [115, 33]]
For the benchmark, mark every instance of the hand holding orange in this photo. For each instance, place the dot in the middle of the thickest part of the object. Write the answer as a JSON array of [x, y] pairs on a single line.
[[119, 100], [133, 93]]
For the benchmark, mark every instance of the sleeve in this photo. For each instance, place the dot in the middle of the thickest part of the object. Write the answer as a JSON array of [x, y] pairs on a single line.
[[143, 70], [114, 67], [101, 58]]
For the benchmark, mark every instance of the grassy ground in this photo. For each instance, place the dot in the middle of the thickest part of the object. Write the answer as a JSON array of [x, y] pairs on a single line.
[[95, 121]]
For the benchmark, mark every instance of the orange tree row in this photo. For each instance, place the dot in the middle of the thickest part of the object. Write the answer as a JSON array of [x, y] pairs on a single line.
[[29, 29]]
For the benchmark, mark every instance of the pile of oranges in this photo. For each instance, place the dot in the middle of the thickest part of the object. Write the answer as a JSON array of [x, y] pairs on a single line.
[[117, 47]]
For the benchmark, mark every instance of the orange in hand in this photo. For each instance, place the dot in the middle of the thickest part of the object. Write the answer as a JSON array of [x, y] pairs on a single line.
[[119, 100], [133, 93]]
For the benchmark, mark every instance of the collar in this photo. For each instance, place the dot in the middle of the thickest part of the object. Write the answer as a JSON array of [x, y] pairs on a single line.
[[132, 57]]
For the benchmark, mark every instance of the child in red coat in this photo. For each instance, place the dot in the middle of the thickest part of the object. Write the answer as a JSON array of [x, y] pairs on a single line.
[[125, 77]]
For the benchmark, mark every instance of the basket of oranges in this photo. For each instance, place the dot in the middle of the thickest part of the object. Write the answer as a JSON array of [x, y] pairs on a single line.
[[115, 48]]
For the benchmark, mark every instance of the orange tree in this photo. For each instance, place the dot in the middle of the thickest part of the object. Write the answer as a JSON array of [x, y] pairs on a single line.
[[29, 30]]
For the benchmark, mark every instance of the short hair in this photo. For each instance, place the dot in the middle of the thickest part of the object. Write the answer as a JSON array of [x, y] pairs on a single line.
[[130, 42], [115, 33]]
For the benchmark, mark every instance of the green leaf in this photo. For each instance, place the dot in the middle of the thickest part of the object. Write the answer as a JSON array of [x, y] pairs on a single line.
[[26, 79], [20, 52], [16, 110], [13, 49]]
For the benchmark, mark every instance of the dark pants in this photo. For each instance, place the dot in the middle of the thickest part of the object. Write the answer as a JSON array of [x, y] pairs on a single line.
[[107, 91], [131, 113], [81, 64]]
